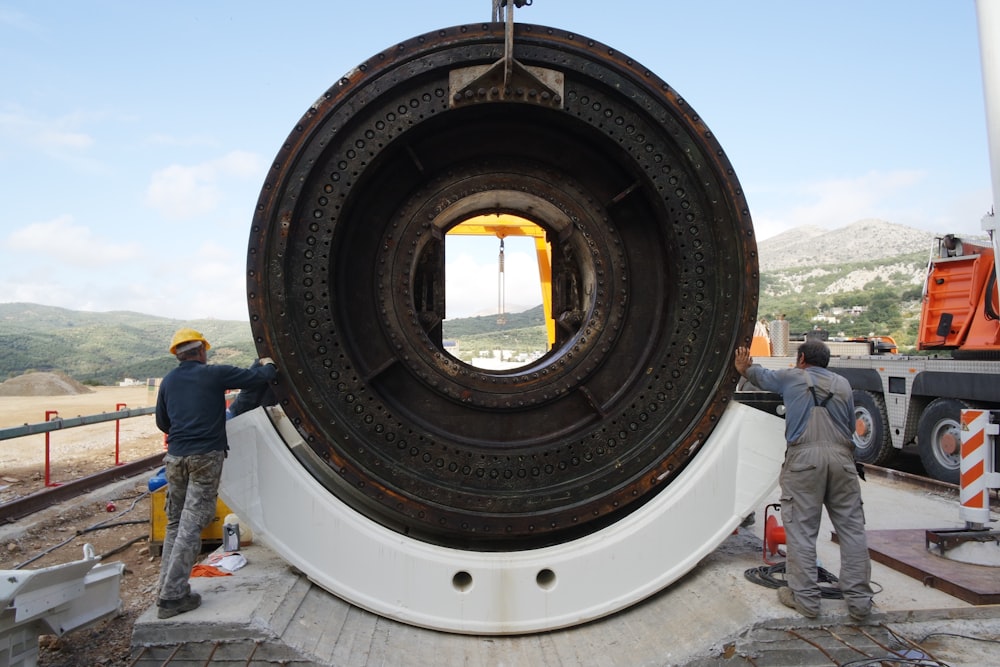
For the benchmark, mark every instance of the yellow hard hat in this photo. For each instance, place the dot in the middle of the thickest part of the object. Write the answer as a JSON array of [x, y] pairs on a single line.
[[186, 336]]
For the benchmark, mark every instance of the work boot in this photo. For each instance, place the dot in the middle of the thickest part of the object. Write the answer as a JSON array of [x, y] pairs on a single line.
[[787, 598], [170, 608], [860, 614]]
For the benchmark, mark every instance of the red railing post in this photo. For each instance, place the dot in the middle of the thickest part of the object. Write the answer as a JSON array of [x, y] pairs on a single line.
[[48, 417], [118, 408]]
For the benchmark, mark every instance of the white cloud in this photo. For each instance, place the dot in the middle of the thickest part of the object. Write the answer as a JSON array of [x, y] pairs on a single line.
[[210, 282], [961, 213], [88, 292], [180, 192], [49, 293], [218, 268], [472, 282], [218, 304], [57, 137], [207, 281], [53, 139], [75, 245], [241, 164], [183, 192], [160, 139], [831, 204]]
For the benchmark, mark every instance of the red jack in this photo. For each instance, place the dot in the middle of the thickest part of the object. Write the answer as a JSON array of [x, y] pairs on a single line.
[[774, 532]]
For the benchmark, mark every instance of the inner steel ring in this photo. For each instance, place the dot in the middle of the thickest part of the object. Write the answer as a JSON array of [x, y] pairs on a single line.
[[654, 284], [590, 293]]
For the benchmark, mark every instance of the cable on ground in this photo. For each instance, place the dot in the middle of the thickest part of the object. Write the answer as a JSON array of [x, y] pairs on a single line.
[[894, 660], [773, 576], [97, 526], [958, 636]]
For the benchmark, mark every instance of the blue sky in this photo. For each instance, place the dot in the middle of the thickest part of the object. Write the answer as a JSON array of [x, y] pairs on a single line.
[[134, 136]]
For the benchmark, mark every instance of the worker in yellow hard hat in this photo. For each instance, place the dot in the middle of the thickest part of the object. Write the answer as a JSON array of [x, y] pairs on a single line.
[[191, 409], [187, 339]]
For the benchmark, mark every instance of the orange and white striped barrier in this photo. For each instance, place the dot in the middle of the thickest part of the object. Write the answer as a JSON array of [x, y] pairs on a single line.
[[977, 466]]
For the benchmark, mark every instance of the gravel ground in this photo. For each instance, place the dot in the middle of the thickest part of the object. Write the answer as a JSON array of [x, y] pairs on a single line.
[[58, 534]]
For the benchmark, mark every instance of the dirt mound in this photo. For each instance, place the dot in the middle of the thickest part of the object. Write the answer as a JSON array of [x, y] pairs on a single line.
[[42, 384]]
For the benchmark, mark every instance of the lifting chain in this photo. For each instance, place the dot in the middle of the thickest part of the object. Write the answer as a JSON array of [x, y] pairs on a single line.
[[508, 50], [498, 5]]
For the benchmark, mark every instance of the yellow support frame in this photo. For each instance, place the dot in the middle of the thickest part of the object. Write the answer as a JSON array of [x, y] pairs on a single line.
[[504, 225]]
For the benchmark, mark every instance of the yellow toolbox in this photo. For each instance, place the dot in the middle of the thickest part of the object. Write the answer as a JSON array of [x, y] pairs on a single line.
[[212, 535]]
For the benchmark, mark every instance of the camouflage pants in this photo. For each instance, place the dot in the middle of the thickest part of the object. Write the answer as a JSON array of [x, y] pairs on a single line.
[[192, 490]]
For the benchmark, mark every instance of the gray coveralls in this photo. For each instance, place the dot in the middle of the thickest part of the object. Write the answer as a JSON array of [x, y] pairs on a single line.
[[819, 470]]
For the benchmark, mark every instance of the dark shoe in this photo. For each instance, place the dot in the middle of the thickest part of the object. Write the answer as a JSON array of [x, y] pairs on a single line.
[[170, 608], [860, 615], [787, 598]]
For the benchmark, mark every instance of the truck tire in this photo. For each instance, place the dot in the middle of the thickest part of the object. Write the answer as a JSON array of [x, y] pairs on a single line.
[[939, 438], [872, 444]]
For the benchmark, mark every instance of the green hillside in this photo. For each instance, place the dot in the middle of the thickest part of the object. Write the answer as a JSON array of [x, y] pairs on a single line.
[[891, 302], [105, 348], [521, 333]]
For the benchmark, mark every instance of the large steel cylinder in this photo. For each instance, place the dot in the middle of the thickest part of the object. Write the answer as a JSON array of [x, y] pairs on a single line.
[[654, 285]]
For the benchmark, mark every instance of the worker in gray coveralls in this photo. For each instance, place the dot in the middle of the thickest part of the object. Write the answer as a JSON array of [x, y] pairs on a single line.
[[818, 470], [191, 410]]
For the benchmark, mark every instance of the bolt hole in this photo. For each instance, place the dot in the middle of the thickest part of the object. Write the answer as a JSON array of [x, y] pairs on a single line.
[[546, 579], [462, 581]]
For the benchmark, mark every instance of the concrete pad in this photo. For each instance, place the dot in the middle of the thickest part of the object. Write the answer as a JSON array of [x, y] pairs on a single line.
[[243, 605]]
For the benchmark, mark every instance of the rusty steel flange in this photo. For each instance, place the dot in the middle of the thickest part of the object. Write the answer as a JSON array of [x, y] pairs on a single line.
[[654, 284]]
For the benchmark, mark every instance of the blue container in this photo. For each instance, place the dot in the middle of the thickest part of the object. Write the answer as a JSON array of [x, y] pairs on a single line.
[[157, 480]]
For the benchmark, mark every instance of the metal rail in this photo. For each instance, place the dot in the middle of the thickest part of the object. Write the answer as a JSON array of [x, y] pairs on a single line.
[[921, 481], [58, 423], [55, 493], [26, 505]]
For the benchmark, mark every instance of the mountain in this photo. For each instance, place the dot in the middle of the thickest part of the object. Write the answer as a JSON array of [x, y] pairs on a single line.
[[872, 269], [863, 241], [869, 254]]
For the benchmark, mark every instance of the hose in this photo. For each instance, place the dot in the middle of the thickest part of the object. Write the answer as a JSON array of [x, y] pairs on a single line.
[[97, 526], [772, 576]]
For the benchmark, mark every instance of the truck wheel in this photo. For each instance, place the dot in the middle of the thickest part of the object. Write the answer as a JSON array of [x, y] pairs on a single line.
[[872, 444], [939, 439]]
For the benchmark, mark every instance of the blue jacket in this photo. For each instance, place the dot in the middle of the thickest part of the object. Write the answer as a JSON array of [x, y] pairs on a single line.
[[248, 399], [191, 404]]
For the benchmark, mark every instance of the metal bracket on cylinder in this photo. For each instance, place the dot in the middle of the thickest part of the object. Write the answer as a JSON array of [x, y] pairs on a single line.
[[506, 79], [486, 83]]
